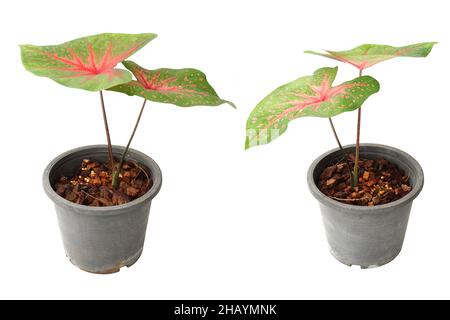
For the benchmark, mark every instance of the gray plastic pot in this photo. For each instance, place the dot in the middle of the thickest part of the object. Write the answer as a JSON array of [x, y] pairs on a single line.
[[361, 235], [101, 239]]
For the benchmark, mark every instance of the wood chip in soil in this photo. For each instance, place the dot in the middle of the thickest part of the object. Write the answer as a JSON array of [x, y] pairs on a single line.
[[91, 186], [379, 182]]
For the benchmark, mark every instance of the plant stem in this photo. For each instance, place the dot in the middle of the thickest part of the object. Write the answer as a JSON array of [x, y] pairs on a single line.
[[335, 134], [108, 137], [115, 177], [358, 133]]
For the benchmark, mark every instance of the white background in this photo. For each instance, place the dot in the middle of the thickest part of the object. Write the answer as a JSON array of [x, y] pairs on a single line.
[[227, 223]]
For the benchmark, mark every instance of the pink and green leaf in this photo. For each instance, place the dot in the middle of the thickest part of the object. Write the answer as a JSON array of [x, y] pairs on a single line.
[[87, 63], [181, 87], [307, 96], [367, 55]]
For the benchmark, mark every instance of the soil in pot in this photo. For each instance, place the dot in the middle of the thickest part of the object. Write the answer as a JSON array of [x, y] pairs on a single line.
[[380, 182], [91, 185]]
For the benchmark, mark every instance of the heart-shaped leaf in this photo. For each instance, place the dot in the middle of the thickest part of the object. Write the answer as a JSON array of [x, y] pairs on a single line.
[[86, 63], [181, 87], [306, 96], [367, 55]]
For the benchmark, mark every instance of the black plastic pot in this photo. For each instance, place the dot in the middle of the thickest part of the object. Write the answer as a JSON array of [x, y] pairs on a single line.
[[101, 239], [360, 235]]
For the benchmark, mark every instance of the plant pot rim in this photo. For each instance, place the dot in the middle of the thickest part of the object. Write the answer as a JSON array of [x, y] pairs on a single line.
[[322, 198], [155, 171]]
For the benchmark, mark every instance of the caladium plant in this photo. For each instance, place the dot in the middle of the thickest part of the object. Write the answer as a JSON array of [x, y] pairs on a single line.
[[365, 56], [315, 96], [90, 63]]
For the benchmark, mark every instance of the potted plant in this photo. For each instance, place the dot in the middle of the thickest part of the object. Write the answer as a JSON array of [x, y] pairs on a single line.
[[365, 191], [103, 193]]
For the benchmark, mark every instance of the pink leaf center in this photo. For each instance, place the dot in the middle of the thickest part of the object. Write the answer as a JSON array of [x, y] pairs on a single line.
[[322, 93], [91, 66], [156, 84]]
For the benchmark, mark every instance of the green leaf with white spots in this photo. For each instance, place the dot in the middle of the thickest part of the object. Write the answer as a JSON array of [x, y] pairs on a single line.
[[87, 63], [307, 96], [181, 87], [367, 55]]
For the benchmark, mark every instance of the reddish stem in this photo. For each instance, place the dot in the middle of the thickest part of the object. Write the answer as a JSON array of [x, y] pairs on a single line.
[[358, 133], [115, 177], [335, 134], [108, 137]]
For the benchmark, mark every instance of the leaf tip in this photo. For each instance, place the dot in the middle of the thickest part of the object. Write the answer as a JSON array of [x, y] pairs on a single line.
[[231, 104], [127, 63], [24, 47], [247, 144], [430, 46], [149, 36]]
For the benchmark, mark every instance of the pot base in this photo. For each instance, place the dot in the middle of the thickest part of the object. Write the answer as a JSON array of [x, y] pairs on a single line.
[[365, 267], [128, 263]]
